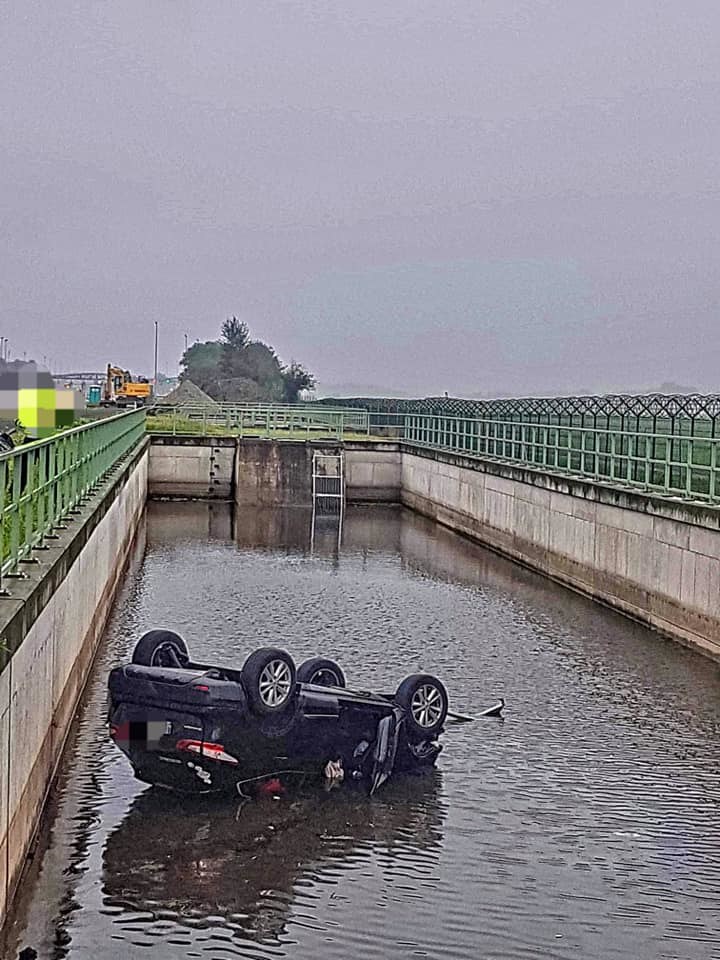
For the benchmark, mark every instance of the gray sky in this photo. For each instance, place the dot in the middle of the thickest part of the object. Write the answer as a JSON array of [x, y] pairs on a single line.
[[479, 196]]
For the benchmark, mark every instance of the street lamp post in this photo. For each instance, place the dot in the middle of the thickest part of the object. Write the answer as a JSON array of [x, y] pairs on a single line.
[[155, 381]]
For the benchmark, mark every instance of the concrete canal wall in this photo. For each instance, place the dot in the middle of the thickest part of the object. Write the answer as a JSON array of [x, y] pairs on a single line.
[[266, 473], [373, 473], [270, 474], [192, 467], [655, 559], [50, 628]]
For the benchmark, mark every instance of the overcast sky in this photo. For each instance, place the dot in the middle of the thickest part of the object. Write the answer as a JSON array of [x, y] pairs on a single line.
[[478, 196]]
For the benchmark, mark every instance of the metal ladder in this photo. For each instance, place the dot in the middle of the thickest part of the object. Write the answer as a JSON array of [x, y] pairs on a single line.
[[328, 482], [328, 495]]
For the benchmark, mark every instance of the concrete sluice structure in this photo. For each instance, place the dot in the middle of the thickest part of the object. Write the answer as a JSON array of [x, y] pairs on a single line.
[[651, 558]]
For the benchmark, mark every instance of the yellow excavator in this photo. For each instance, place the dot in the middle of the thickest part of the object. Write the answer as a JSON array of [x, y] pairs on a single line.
[[122, 389]]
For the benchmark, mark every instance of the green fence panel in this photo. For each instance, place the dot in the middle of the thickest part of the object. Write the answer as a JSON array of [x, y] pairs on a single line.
[[289, 421], [43, 482], [683, 465]]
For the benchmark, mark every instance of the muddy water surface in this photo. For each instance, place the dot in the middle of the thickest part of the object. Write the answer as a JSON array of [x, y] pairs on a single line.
[[586, 825]]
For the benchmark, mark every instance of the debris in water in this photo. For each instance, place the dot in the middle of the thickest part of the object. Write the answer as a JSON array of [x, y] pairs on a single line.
[[271, 787], [334, 771]]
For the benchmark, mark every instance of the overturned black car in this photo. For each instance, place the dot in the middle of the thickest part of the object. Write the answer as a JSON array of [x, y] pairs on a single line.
[[202, 729]]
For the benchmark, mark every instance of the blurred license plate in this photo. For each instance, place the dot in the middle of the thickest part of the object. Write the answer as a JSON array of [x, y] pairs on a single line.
[[147, 733]]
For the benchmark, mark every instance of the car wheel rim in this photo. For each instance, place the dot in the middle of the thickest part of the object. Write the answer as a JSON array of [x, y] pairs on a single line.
[[275, 683], [426, 706], [325, 678]]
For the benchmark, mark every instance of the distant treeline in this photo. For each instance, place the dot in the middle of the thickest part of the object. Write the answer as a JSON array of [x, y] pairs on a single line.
[[235, 368]]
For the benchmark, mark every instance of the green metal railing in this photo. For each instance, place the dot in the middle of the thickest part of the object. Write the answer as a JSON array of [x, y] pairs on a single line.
[[259, 420], [43, 482], [683, 414], [664, 463]]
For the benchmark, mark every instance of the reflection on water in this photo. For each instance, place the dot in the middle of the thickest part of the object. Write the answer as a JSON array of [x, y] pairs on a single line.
[[249, 867], [586, 825]]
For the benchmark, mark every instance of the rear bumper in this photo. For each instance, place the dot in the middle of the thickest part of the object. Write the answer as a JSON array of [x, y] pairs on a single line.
[[199, 772], [184, 773]]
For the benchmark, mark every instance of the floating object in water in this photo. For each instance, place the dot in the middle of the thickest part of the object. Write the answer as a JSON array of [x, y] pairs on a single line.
[[494, 711], [271, 787], [334, 770]]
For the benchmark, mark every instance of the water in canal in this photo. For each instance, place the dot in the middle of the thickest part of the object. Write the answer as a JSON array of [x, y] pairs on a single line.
[[586, 825]]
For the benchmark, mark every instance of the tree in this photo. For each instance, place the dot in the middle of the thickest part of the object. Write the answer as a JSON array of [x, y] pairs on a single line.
[[238, 390], [235, 337], [201, 364], [238, 369], [296, 379], [235, 334], [261, 364]]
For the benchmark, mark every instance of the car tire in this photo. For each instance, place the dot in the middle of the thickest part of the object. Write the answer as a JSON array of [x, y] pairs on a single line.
[[268, 678], [321, 671], [160, 648], [425, 702], [275, 726]]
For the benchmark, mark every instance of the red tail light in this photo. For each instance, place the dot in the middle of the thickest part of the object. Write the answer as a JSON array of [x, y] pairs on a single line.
[[213, 751]]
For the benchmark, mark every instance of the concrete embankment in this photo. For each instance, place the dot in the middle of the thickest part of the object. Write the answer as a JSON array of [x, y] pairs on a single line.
[[50, 626], [653, 558]]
